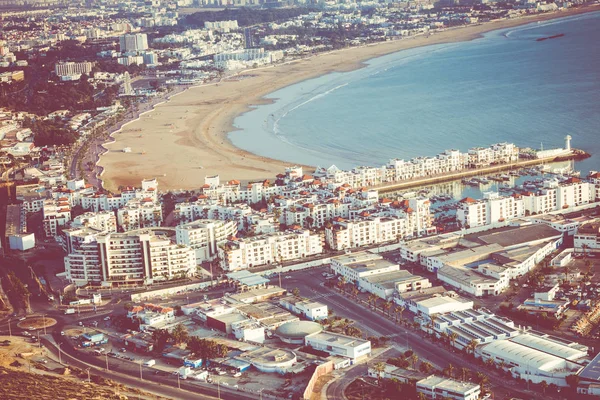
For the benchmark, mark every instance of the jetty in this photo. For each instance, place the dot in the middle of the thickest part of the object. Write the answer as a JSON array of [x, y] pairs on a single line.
[[575, 154]]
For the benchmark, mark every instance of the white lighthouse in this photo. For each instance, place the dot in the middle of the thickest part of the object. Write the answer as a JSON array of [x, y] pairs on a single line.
[[568, 142]]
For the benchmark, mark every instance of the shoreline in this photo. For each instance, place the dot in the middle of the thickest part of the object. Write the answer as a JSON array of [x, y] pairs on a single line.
[[198, 119]]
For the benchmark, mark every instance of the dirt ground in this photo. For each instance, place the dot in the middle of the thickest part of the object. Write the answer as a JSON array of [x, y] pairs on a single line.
[[28, 372]]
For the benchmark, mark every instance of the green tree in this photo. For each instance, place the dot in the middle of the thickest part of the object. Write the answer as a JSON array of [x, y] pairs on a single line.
[[425, 367], [160, 337], [379, 369], [179, 334], [296, 292]]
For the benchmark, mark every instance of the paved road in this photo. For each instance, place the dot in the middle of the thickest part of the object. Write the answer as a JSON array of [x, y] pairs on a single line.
[[374, 324]]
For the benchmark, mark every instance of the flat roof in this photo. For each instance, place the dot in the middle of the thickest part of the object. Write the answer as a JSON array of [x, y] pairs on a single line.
[[360, 256], [13, 219], [511, 236], [389, 279], [465, 275], [463, 255], [268, 356], [247, 278], [230, 318], [448, 384], [370, 265], [337, 339]]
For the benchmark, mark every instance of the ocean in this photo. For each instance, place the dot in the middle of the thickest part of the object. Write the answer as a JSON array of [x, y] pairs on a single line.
[[503, 87]]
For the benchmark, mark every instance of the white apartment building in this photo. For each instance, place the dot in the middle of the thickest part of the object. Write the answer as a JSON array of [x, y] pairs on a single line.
[[205, 208], [101, 220], [233, 192], [345, 234], [221, 25], [241, 55], [138, 214], [261, 250], [492, 209], [56, 214], [204, 236], [362, 264], [133, 42], [125, 258], [102, 202], [73, 68]]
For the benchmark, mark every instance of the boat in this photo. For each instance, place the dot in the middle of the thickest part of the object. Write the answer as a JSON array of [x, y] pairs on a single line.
[[504, 177]]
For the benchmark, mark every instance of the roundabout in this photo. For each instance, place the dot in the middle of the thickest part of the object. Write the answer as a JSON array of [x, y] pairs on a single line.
[[37, 323]]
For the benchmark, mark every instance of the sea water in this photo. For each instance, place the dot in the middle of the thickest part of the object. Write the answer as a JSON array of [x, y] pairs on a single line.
[[503, 87]]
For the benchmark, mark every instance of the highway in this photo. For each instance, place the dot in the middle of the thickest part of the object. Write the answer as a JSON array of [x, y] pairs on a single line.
[[310, 284]]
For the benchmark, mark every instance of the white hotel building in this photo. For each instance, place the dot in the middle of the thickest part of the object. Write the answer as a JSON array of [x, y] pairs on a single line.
[[491, 209], [261, 250], [204, 236], [102, 220], [124, 258], [554, 196], [138, 214]]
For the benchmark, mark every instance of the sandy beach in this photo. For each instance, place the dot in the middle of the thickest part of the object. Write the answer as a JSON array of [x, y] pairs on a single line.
[[185, 139]]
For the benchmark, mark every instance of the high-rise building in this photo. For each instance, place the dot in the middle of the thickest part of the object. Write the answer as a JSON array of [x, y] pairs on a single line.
[[133, 42], [140, 257], [73, 68]]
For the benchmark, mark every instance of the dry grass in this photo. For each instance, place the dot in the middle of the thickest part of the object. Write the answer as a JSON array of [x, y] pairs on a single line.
[[321, 381]]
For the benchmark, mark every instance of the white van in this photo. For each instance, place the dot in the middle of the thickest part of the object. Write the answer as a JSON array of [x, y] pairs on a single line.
[[149, 363]]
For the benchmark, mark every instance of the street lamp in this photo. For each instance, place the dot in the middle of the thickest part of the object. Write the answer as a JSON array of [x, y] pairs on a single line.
[[141, 379], [59, 353], [106, 358], [88, 371], [218, 389], [9, 330]]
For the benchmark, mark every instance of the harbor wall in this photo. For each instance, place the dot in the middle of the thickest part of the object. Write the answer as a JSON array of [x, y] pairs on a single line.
[[446, 177]]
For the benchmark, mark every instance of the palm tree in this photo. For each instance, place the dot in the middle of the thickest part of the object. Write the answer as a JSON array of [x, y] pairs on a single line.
[[432, 319], [452, 338], [380, 369], [399, 310], [372, 299], [482, 378], [544, 386], [342, 284], [425, 367], [413, 359], [490, 363], [355, 291], [464, 373], [471, 346], [449, 370], [387, 306]]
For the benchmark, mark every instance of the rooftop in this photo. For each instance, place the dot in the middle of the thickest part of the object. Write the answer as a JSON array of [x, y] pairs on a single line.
[[13, 220], [592, 370], [448, 384], [298, 329], [362, 256], [511, 236], [370, 265], [336, 339]]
